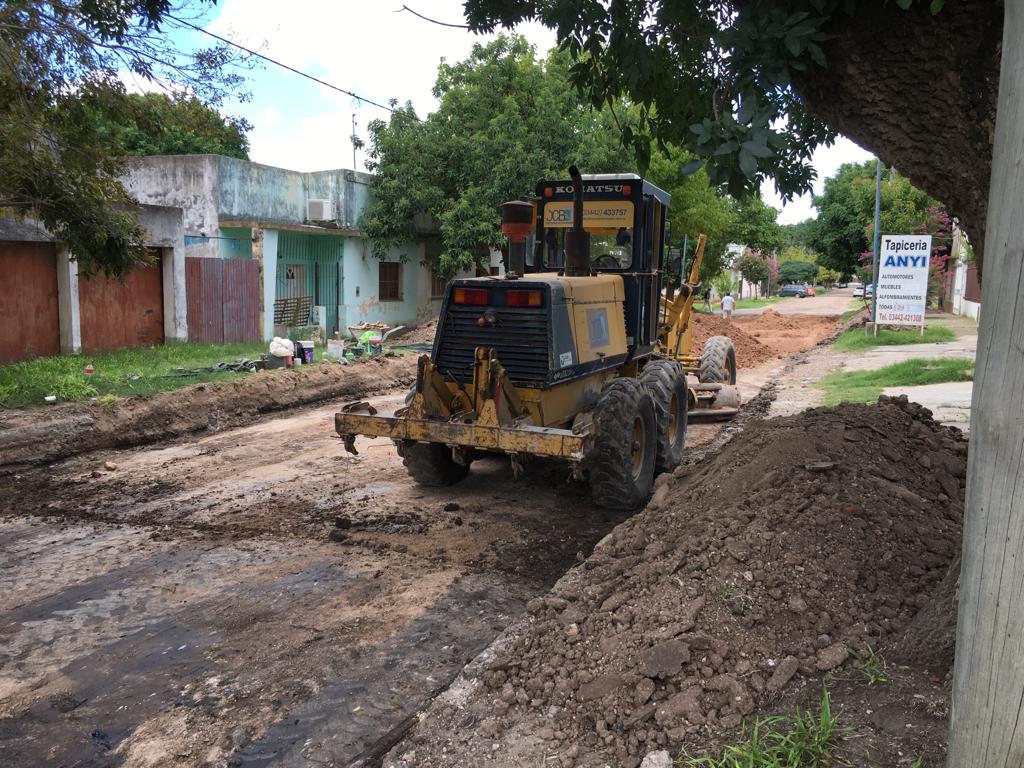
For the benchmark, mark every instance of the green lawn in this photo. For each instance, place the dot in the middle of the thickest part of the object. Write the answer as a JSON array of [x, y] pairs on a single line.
[[866, 386], [858, 340], [121, 373]]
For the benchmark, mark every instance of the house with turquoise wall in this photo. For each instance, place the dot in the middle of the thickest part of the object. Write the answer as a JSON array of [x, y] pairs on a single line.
[[303, 228]]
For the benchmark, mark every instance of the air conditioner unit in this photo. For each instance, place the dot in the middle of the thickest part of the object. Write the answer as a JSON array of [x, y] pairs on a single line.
[[320, 210]]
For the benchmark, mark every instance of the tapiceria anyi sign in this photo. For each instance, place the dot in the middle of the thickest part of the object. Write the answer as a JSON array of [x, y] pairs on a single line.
[[902, 289]]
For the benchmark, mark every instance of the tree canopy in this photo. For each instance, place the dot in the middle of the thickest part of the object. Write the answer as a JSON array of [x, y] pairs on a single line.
[[60, 68], [756, 226], [751, 88], [159, 124], [506, 118], [844, 228]]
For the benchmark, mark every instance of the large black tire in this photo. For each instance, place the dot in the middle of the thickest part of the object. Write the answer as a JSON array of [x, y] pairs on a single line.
[[666, 382], [717, 361], [620, 464], [432, 464]]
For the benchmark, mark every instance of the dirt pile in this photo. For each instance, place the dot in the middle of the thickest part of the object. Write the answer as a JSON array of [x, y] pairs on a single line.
[[750, 352], [804, 537], [421, 334], [786, 334], [37, 434]]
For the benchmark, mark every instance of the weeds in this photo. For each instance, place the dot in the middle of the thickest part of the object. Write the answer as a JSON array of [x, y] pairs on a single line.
[[801, 740], [871, 665], [866, 386]]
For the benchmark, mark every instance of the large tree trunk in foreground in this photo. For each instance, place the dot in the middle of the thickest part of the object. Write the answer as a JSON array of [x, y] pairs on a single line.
[[919, 91], [987, 725]]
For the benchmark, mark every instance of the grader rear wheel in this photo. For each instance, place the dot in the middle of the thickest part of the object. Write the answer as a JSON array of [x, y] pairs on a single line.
[[666, 382], [620, 465]]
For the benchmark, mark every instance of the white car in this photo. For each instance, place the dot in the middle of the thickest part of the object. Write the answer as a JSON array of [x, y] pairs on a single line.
[[863, 291]]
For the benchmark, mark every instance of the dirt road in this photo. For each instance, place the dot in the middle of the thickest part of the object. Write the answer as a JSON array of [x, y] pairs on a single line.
[[835, 302], [257, 596]]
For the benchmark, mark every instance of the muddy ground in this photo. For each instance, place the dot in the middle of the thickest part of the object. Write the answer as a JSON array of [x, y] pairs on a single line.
[[255, 596]]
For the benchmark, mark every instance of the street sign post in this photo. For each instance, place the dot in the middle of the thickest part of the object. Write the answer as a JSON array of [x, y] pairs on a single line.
[[902, 288]]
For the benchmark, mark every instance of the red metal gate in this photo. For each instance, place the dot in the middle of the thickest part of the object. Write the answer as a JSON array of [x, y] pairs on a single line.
[[122, 313], [223, 299], [29, 320]]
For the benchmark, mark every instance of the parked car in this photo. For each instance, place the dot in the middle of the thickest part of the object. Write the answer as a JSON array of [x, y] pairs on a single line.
[[842, 285], [793, 289], [863, 291]]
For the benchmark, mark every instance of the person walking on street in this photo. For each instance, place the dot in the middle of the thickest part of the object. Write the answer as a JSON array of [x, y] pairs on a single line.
[[707, 298], [728, 305]]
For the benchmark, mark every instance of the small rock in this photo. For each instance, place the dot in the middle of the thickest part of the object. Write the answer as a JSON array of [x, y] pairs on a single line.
[[600, 687], [457, 520], [643, 690], [664, 659], [337, 534], [783, 673], [819, 466], [659, 759], [797, 604], [452, 506], [109, 466], [832, 657]]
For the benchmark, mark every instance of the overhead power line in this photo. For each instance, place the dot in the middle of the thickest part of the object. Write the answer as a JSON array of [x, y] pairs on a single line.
[[281, 64], [432, 21]]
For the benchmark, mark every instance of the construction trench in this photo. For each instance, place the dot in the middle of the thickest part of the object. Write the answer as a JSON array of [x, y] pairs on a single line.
[[239, 591]]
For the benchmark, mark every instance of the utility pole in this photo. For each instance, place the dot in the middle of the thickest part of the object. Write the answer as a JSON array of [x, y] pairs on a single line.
[[353, 140], [874, 259]]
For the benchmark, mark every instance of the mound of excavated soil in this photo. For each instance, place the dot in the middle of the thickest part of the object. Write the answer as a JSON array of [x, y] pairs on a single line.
[[37, 435], [786, 334], [803, 537], [421, 334], [750, 352]]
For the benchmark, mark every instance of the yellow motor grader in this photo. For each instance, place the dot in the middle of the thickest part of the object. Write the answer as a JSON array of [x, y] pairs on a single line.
[[574, 353]]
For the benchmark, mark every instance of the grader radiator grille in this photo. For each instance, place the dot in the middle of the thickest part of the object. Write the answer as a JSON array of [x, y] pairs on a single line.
[[520, 338]]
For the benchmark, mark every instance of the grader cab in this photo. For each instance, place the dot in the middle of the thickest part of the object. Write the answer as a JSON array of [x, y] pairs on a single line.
[[574, 353]]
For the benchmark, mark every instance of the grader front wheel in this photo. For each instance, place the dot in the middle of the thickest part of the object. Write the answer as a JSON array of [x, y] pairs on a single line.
[[620, 465], [666, 383], [431, 464]]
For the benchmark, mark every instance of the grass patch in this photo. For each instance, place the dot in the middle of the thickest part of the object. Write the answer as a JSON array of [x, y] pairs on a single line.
[[858, 340], [871, 666], [866, 386], [758, 303], [121, 373], [804, 739]]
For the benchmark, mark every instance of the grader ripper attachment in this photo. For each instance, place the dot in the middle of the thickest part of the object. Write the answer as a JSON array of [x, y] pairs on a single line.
[[573, 354]]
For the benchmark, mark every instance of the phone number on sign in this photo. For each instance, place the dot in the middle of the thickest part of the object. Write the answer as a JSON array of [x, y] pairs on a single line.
[[898, 317]]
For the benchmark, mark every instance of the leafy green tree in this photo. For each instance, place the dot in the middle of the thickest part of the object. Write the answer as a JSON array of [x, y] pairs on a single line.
[[753, 267], [801, 234], [756, 226], [157, 124], [60, 68], [504, 120], [797, 271]]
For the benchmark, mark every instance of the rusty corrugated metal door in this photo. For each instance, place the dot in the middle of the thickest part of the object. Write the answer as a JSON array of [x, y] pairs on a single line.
[[204, 293], [29, 320], [122, 313], [241, 300]]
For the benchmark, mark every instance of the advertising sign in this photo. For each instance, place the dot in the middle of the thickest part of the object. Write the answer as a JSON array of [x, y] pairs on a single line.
[[902, 279], [597, 214]]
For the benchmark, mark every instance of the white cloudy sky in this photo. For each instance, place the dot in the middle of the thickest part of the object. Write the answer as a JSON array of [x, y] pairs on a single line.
[[372, 50]]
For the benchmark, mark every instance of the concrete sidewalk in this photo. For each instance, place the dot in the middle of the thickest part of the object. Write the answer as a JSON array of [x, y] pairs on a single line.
[[949, 403]]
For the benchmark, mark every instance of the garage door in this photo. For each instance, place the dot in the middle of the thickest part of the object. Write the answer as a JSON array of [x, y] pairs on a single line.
[[122, 313], [29, 324]]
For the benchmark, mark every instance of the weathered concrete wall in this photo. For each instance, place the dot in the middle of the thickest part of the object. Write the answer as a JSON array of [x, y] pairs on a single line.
[[188, 182]]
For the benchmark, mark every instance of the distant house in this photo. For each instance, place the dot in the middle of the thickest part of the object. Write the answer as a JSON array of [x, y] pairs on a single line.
[[964, 290], [309, 263]]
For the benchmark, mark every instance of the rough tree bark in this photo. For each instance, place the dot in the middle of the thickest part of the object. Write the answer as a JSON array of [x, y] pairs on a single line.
[[987, 724], [919, 91]]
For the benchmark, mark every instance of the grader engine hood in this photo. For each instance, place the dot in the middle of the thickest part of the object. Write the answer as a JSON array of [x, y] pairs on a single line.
[[544, 331]]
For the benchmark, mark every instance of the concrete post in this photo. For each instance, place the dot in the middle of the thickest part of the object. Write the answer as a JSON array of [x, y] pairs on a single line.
[[68, 312], [172, 265], [264, 252]]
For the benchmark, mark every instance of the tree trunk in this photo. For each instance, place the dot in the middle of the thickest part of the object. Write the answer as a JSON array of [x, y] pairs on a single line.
[[919, 91], [987, 723]]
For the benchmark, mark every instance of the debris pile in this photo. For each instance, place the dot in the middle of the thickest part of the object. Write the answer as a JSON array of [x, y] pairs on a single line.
[[750, 352], [786, 334], [803, 538]]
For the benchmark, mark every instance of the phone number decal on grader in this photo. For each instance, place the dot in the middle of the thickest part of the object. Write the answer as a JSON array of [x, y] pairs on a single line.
[[574, 353]]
